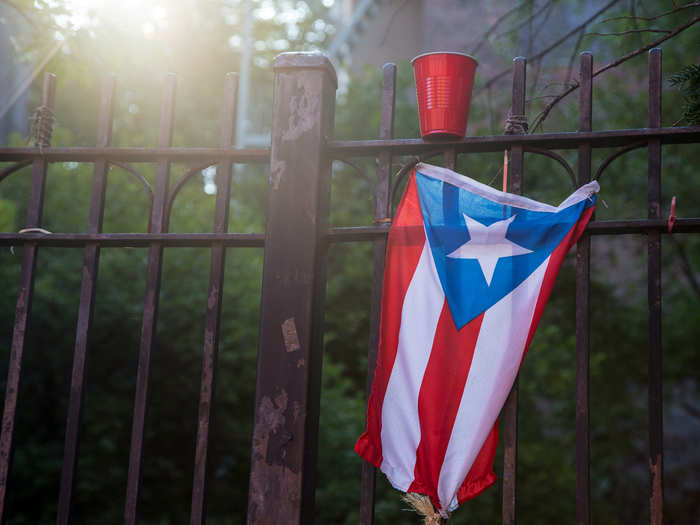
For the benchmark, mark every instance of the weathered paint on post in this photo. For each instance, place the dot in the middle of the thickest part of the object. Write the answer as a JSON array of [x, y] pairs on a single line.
[[287, 402]]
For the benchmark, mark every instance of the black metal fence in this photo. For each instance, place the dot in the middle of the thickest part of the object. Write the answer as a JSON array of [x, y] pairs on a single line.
[[287, 406]]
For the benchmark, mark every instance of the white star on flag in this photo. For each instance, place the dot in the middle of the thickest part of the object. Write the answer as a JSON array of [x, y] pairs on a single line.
[[487, 244]]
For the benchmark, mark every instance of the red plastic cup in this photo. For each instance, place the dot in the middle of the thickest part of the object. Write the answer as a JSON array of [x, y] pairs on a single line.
[[444, 84]]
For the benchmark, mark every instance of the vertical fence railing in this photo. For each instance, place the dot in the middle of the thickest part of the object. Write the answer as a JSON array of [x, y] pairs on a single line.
[[583, 279], [150, 305], [382, 215], [212, 316], [449, 158], [509, 414], [85, 308], [654, 297], [24, 302], [287, 399]]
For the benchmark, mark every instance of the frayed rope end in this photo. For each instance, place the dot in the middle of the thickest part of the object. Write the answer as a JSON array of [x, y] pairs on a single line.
[[423, 506]]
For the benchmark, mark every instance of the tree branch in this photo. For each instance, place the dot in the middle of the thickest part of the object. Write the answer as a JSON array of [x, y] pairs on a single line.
[[556, 44], [21, 12], [528, 20], [493, 27], [631, 31], [650, 18], [391, 21], [545, 112], [691, 410], [572, 58]]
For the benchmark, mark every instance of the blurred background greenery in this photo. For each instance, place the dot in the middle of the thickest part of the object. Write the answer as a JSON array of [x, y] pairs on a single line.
[[80, 41]]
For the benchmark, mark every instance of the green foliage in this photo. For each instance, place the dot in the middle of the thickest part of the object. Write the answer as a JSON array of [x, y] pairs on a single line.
[[687, 80]]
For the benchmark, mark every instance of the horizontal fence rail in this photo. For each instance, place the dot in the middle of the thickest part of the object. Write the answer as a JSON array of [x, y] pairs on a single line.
[[295, 242], [333, 235], [498, 143], [78, 154]]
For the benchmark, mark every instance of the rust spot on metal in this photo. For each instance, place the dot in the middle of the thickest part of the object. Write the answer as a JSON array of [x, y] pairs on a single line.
[[272, 480], [303, 108], [277, 168], [290, 336], [296, 410], [656, 504], [213, 294]]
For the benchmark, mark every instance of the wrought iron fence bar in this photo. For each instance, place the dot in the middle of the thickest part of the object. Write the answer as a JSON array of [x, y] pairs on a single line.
[[212, 316], [656, 495], [257, 240], [583, 279], [382, 211], [14, 168], [90, 154], [691, 225], [85, 309], [361, 148], [23, 308], [135, 240], [449, 158], [150, 306], [509, 414], [568, 140], [626, 227]]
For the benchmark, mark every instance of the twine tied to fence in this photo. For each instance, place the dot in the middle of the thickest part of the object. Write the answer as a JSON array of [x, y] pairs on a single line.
[[41, 126], [30, 230], [515, 125]]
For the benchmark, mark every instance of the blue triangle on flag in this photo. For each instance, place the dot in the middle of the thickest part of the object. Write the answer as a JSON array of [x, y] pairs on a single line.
[[483, 249]]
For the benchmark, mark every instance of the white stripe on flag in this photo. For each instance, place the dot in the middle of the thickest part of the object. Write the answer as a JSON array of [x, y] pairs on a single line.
[[400, 424], [497, 356]]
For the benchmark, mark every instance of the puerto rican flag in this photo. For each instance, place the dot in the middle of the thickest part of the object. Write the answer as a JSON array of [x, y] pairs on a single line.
[[468, 272]]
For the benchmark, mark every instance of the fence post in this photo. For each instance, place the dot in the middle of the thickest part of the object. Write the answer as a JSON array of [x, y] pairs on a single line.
[[583, 298], [509, 414], [24, 299], [287, 399], [656, 429]]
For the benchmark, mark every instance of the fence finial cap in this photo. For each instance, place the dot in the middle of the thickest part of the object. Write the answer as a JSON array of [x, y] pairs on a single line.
[[305, 60]]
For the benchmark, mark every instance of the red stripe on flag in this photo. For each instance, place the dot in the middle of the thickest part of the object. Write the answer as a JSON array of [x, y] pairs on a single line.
[[555, 262], [404, 247], [481, 476], [440, 396]]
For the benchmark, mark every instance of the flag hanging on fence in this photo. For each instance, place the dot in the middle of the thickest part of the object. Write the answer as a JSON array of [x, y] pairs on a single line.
[[468, 272]]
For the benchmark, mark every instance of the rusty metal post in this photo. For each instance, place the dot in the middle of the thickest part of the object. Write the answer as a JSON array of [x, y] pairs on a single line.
[[158, 225], [88, 290], [24, 302], [287, 400], [212, 316], [583, 281], [656, 430], [509, 414], [382, 213]]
